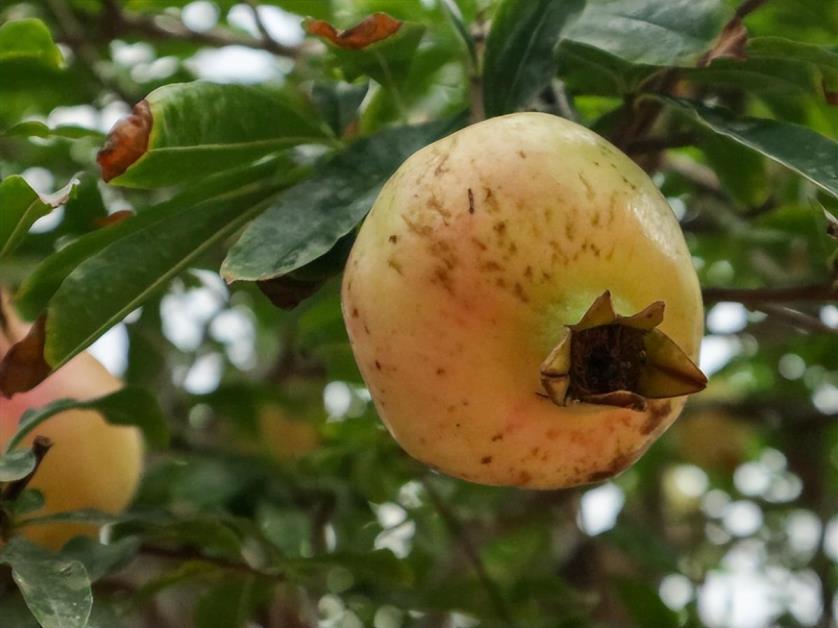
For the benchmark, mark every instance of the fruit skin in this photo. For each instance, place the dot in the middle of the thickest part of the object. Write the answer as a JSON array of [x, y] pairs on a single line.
[[477, 252], [91, 464]]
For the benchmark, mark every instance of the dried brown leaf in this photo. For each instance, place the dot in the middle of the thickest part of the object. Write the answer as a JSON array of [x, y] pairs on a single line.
[[126, 143], [371, 30]]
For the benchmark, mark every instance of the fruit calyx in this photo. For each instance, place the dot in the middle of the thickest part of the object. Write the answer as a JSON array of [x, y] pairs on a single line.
[[616, 360]]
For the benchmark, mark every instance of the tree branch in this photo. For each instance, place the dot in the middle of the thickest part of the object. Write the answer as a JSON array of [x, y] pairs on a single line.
[[753, 296], [458, 531]]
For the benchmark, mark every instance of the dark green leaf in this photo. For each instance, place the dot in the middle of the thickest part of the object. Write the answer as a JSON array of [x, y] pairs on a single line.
[[519, 51], [808, 153], [309, 218], [28, 39], [20, 207], [56, 590], [200, 128], [589, 70], [780, 48], [99, 559], [741, 170], [338, 103], [669, 33]]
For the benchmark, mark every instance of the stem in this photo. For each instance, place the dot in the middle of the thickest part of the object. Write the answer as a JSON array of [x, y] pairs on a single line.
[[184, 555], [458, 531], [40, 446]]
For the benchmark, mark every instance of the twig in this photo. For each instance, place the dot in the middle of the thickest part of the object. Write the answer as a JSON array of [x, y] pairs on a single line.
[[260, 24], [40, 446], [795, 318], [749, 6], [457, 530], [183, 555], [750, 296]]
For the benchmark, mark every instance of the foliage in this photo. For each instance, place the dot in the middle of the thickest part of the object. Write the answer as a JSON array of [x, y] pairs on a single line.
[[732, 109]]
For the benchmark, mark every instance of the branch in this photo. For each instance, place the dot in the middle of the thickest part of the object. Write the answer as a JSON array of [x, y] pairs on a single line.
[[753, 296], [458, 531], [795, 318], [183, 554], [260, 24]]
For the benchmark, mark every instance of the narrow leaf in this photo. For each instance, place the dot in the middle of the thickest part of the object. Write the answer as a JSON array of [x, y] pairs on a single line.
[[127, 406], [56, 590], [800, 149], [188, 130], [309, 218], [519, 51], [35, 128], [21, 206]]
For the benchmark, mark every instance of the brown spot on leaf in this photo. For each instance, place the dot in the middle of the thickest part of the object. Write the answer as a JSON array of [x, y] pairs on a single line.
[[367, 32], [114, 218], [126, 143], [23, 367]]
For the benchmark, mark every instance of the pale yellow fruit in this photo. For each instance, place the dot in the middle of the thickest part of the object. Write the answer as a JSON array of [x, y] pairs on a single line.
[[477, 253], [286, 438], [91, 464]]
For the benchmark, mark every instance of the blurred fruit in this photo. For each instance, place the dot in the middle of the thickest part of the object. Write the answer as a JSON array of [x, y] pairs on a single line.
[[286, 438], [91, 465], [713, 440]]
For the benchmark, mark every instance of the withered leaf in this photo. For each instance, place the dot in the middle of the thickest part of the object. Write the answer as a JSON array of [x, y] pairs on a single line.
[[24, 367], [126, 143], [372, 29]]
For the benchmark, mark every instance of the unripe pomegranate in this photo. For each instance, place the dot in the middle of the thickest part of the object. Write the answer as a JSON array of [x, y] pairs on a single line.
[[91, 464], [523, 306]]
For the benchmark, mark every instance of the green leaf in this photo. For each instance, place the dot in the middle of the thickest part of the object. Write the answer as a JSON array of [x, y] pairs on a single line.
[[589, 70], [127, 406], [28, 39], [35, 128], [669, 33], [779, 48], [519, 51], [99, 559], [759, 75], [39, 286], [644, 605], [232, 602], [16, 465], [200, 128], [21, 206], [96, 517], [338, 103], [112, 283], [309, 218], [740, 169], [56, 590], [800, 149], [386, 60]]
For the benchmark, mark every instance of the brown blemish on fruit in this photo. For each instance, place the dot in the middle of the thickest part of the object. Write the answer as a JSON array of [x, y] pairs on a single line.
[[522, 154], [486, 460], [423, 231], [569, 230], [479, 244], [440, 168], [126, 142], [491, 266], [441, 277], [392, 263], [497, 437], [354, 312], [528, 272], [589, 190], [524, 478], [490, 200], [366, 329], [434, 205], [393, 239], [500, 228], [621, 462], [378, 365], [657, 413], [595, 219], [470, 201], [519, 292], [440, 371], [500, 282]]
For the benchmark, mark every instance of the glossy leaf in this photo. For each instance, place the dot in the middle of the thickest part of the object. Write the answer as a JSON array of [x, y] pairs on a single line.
[[57, 591], [127, 406], [38, 288], [589, 70], [675, 32], [519, 51], [810, 154], [30, 40], [15, 465], [21, 206], [201, 128], [780, 48], [309, 218]]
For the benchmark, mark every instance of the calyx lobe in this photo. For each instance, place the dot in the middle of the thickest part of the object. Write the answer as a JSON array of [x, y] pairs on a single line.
[[617, 360]]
